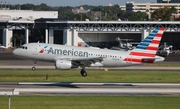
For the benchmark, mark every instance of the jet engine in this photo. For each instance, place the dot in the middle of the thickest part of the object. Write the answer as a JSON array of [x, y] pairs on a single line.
[[63, 64]]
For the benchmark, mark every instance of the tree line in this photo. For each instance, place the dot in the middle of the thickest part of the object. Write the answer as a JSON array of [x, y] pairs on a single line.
[[103, 13]]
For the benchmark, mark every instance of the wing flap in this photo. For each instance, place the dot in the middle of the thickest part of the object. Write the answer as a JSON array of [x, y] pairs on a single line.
[[88, 59]]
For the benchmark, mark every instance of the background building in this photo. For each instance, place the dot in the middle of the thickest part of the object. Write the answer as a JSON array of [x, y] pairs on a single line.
[[149, 7], [168, 1], [18, 21], [27, 14]]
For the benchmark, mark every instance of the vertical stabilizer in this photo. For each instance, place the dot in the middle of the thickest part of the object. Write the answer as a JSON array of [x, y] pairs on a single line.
[[146, 50]]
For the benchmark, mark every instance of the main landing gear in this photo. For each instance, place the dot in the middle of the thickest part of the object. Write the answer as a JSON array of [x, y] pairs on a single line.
[[83, 72], [34, 68]]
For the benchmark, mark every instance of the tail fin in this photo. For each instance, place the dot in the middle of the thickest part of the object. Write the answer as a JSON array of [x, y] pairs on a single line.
[[146, 50]]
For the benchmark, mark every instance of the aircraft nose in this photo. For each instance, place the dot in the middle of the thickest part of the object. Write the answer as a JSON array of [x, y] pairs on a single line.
[[15, 52]]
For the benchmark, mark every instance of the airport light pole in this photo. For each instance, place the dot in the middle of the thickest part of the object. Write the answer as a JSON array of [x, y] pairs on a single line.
[[81, 10], [9, 93], [9, 5], [5, 5], [9, 102], [1, 5], [178, 7]]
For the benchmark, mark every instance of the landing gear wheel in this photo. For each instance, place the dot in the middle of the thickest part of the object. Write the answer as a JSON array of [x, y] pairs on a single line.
[[33, 68], [83, 73]]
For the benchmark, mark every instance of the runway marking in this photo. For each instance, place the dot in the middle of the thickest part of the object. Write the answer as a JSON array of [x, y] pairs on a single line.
[[32, 88], [100, 84], [97, 90]]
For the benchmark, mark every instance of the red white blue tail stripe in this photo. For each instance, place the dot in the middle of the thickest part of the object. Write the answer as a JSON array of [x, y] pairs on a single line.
[[146, 50]]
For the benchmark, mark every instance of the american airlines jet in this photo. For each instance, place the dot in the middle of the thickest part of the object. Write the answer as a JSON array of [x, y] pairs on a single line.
[[67, 57]]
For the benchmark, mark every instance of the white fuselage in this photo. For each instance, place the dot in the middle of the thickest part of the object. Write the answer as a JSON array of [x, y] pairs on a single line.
[[52, 52]]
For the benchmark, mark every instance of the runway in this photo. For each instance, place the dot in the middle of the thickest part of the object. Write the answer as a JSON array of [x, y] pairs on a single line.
[[141, 67], [78, 89]]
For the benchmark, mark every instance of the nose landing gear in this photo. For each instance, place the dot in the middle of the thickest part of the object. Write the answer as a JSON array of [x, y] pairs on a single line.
[[34, 68]]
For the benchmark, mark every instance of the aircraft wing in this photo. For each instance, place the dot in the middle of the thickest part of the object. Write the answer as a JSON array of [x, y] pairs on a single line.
[[88, 59], [83, 60]]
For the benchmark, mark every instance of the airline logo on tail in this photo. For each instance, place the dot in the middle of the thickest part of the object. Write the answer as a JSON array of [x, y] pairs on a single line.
[[146, 50]]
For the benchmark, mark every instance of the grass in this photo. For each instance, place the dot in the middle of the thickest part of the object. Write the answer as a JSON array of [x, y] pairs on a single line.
[[90, 102], [93, 76], [164, 64]]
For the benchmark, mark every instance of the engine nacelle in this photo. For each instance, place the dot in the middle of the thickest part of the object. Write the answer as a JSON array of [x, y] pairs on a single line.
[[63, 64]]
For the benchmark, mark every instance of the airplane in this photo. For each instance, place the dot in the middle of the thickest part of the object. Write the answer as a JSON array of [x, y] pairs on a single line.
[[123, 45], [165, 50], [2, 47], [67, 57]]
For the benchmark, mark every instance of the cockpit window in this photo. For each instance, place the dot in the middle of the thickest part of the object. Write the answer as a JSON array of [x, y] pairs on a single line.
[[23, 47]]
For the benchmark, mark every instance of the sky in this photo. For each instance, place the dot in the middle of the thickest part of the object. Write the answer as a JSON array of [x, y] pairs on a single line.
[[73, 2]]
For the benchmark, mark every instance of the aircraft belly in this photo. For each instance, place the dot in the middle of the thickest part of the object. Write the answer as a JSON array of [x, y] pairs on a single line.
[[112, 62]]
